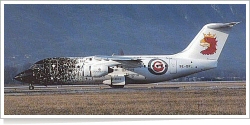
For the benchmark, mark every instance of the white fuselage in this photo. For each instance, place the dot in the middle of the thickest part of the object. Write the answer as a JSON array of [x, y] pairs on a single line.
[[175, 68]]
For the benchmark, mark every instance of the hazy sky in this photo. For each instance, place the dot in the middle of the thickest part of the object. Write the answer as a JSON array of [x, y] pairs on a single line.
[[34, 32]]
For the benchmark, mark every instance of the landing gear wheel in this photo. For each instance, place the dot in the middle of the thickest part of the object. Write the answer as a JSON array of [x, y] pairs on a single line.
[[31, 87], [117, 86]]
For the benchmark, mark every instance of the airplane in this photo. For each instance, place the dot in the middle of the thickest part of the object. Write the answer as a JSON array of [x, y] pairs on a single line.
[[119, 70]]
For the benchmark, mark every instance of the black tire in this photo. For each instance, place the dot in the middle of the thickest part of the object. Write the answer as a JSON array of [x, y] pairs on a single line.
[[31, 87], [117, 86]]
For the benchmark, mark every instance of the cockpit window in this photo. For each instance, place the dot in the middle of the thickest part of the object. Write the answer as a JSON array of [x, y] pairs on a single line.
[[40, 62], [36, 66]]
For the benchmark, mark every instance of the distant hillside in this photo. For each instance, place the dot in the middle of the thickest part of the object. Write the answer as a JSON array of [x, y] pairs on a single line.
[[34, 32]]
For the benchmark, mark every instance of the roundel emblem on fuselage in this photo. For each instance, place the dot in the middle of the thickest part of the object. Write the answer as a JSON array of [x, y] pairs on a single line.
[[157, 66]]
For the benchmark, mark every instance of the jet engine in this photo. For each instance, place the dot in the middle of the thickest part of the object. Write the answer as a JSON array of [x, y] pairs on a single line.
[[96, 70]]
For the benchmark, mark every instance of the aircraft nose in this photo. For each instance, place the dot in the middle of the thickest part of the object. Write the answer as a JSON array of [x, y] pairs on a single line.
[[18, 77], [25, 76]]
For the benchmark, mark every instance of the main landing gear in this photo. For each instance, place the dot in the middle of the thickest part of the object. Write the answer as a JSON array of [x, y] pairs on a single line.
[[31, 87], [116, 86]]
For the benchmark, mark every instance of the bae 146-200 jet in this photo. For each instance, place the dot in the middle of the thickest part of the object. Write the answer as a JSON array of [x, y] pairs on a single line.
[[117, 71]]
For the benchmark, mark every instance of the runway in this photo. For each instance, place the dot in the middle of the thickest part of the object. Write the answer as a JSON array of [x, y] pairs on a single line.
[[164, 86], [167, 98]]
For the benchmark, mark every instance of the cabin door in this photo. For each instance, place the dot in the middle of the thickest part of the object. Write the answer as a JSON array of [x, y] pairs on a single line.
[[173, 66]]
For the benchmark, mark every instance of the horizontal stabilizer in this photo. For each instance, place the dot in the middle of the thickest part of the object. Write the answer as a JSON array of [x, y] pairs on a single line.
[[221, 25]]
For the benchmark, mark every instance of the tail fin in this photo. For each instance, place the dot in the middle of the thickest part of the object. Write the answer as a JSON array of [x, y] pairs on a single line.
[[209, 42]]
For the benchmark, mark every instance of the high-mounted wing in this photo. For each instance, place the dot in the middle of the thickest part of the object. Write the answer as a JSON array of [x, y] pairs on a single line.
[[126, 62], [116, 58]]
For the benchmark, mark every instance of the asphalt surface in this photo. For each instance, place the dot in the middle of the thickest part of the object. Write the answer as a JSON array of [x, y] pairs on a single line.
[[166, 86]]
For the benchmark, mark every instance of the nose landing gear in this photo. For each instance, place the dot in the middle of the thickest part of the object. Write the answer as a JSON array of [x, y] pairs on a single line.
[[31, 87]]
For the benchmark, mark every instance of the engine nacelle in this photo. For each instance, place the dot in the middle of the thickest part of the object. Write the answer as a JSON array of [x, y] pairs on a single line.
[[96, 70]]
